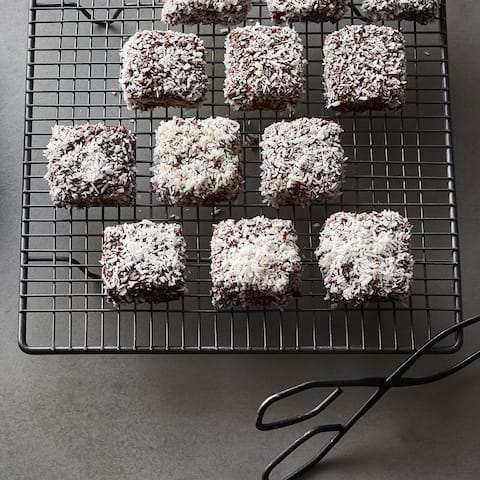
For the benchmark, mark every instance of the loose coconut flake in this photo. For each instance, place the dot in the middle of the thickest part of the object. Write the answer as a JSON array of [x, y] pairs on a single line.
[[143, 262], [303, 162], [254, 262], [197, 162], [91, 165], [364, 68], [366, 256]]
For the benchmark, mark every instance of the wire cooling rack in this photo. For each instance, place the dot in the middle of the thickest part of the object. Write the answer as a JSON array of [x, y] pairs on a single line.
[[399, 160]]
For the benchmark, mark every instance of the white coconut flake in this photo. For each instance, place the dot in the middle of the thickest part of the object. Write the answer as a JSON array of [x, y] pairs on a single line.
[[421, 11], [143, 262], [91, 165], [163, 68], [254, 261], [366, 256], [287, 11], [197, 162], [365, 68], [263, 68], [205, 12], [302, 162]]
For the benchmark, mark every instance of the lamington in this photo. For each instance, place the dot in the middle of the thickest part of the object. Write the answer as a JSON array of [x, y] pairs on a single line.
[[365, 68], [197, 162], [143, 262], [91, 165], [163, 68], [302, 162], [255, 261], [366, 256], [263, 68], [205, 12], [287, 11], [421, 11]]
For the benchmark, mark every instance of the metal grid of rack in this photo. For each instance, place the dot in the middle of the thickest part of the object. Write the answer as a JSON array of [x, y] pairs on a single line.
[[398, 160]]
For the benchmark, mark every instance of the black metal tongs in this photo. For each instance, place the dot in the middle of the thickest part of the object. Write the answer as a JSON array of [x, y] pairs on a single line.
[[381, 384]]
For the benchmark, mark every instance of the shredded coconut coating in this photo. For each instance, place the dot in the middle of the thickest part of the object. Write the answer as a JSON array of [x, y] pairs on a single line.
[[205, 12], [197, 162], [364, 68], [366, 256], [165, 69], [263, 68], [287, 11], [143, 262], [421, 11], [254, 262], [91, 165], [302, 162]]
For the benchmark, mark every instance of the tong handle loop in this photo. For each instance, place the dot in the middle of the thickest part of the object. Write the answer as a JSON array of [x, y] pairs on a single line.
[[338, 428], [262, 425]]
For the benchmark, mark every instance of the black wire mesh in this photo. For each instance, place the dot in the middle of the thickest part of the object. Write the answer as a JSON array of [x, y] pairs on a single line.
[[398, 160]]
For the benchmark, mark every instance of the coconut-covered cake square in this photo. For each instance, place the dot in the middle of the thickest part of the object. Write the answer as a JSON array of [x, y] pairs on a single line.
[[421, 11], [302, 162], [205, 12], [365, 68], [163, 68], [197, 162], [263, 68], [143, 262], [287, 11], [91, 165], [366, 256], [255, 261]]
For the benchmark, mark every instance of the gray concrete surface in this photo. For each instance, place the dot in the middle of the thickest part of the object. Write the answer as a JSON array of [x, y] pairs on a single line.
[[192, 418]]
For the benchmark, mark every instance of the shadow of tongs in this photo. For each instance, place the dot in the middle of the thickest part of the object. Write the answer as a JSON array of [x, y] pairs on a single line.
[[381, 384]]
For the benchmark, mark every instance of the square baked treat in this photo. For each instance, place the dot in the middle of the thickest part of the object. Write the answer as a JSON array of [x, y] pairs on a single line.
[[263, 68], [91, 165], [164, 69], [421, 11], [287, 11], [254, 262], [365, 68], [197, 162], [302, 162], [205, 12], [366, 256], [143, 262]]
